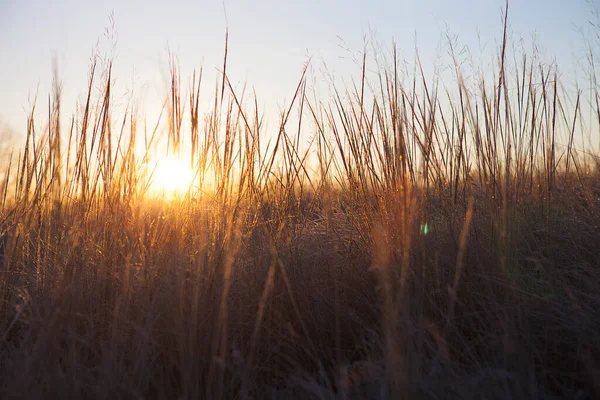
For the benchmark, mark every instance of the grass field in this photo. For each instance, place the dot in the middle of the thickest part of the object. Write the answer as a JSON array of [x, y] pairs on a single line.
[[402, 238]]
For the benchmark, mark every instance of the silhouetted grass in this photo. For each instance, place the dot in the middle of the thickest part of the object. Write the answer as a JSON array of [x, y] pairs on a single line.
[[403, 239]]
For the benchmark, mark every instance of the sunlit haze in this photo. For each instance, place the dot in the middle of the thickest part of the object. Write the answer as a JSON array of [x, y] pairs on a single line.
[[172, 177]]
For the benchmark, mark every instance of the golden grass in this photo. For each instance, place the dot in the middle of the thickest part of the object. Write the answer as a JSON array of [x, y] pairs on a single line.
[[305, 270]]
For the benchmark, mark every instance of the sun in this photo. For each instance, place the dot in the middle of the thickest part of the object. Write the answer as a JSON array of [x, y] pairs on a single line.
[[172, 177]]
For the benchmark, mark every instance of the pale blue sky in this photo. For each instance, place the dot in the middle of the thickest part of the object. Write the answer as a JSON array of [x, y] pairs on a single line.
[[269, 40]]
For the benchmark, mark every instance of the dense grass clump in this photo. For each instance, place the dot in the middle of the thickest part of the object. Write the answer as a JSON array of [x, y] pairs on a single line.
[[401, 239]]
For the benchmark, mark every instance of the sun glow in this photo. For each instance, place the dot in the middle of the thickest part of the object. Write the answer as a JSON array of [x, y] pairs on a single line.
[[172, 177]]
